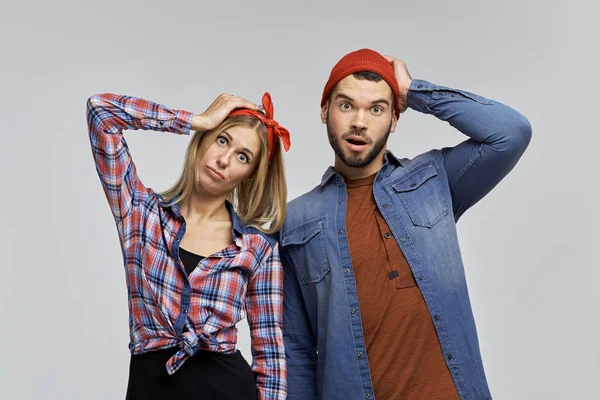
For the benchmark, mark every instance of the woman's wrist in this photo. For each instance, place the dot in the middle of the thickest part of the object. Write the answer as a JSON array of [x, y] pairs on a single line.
[[198, 123]]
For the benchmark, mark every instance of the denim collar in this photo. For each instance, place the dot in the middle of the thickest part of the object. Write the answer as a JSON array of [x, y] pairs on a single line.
[[389, 164]]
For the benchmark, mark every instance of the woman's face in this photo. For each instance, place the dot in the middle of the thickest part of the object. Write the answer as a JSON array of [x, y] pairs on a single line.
[[231, 158]]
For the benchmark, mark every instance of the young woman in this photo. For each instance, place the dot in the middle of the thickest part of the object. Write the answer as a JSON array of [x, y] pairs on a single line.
[[199, 258]]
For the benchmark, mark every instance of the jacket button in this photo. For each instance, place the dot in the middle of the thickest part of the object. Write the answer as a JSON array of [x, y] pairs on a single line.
[[360, 353], [353, 311], [450, 357], [387, 235], [340, 231]]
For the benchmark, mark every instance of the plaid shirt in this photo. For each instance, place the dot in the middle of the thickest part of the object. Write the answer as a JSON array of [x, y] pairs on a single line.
[[166, 307]]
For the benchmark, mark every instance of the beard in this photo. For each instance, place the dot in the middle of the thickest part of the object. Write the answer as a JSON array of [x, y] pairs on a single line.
[[355, 160]]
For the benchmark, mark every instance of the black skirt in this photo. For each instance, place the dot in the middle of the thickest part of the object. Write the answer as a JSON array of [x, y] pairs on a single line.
[[206, 375]]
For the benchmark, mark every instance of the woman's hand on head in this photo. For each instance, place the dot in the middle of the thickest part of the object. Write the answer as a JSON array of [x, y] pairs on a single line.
[[219, 110]]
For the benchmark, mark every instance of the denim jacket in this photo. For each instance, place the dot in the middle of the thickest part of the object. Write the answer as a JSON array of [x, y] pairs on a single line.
[[421, 199]]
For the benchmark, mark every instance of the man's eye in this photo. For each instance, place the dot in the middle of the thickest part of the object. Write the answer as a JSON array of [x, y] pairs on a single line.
[[377, 109], [345, 106]]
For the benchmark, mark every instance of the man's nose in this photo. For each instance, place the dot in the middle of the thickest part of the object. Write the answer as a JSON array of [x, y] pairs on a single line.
[[358, 122]]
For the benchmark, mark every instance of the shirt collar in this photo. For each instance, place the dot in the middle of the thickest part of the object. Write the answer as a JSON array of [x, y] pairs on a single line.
[[389, 164], [237, 224]]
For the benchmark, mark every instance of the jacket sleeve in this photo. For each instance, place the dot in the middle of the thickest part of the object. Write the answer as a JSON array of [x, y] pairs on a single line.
[[299, 339], [498, 136]]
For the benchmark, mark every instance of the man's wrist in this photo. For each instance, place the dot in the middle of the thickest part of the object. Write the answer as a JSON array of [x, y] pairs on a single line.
[[403, 88]]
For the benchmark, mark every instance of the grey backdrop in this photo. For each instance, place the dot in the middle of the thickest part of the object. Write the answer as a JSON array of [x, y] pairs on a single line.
[[530, 247]]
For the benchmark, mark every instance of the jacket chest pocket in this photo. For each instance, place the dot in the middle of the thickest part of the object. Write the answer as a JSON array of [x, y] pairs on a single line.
[[422, 196], [305, 245]]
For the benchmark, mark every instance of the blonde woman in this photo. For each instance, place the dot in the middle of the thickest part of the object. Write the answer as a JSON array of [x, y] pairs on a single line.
[[199, 257]]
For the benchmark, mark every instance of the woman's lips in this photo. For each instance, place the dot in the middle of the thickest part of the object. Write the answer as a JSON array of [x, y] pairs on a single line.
[[215, 173]]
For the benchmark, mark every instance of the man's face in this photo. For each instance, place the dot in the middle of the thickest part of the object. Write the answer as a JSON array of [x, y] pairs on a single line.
[[359, 117]]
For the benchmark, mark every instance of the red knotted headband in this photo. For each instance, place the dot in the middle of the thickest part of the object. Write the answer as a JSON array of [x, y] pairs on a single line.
[[274, 130]]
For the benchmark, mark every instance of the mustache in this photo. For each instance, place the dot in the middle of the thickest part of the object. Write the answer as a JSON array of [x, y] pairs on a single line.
[[356, 133]]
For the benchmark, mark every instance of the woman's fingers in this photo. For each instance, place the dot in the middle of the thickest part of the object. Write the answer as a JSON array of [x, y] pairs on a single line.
[[221, 107]]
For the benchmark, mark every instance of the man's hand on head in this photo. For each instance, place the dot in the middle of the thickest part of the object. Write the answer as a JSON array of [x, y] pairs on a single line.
[[404, 80]]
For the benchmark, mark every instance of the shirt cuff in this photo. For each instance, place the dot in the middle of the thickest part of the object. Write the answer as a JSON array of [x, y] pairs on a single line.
[[419, 95], [182, 122]]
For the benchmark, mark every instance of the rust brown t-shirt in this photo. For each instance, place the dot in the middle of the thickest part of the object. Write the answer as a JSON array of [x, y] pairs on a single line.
[[404, 353]]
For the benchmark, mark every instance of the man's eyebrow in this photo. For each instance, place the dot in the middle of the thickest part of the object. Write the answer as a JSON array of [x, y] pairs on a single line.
[[343, 96], [384, 101], [350, 99], [231, 140]]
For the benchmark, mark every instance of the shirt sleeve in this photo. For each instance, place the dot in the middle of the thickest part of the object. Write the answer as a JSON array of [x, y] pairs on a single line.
[[498, 136], [107, 116], [264, 309], [298, 336]]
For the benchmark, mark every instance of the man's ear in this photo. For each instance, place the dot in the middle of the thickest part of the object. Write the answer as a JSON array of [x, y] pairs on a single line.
[[324, 113], [393, 124]]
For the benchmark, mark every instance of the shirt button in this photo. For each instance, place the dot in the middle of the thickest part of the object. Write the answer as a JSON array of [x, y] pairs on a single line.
[[360, 353], [340, 231], [420, 86], [184, 310], [347, 270], [181, 125], [340, 202], [368, 396], [353, 311], [387, 235], [403, 239]]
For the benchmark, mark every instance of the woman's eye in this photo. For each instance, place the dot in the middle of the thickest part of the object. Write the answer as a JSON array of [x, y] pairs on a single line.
[[221, 140], [243, 158]]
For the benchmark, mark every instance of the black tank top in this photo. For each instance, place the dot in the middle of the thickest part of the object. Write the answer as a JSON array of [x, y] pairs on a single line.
[[189, 260]]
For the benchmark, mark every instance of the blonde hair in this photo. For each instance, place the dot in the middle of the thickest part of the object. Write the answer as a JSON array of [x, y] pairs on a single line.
[[260, 200]]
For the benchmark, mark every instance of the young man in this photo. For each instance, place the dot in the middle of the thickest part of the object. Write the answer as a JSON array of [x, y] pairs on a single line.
[[375, 298]]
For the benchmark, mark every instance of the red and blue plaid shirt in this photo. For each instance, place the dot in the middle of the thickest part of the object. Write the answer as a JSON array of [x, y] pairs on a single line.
[[167, 307]]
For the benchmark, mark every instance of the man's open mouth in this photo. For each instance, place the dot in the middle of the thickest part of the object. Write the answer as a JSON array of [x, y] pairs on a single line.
[[356, 140]]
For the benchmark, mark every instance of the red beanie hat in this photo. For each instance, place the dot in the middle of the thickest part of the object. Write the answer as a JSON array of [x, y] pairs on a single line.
[[363, 60]]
